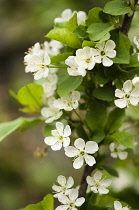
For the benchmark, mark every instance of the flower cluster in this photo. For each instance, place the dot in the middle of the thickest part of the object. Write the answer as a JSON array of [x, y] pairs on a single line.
[[128, 95], [87, 57], [67, 14]]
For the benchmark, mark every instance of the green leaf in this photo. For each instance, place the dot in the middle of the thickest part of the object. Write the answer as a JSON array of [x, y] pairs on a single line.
[[115, 120], [88, 43], [93, 16], [13, 94], [105, 93], [117, 7], [60, 57], [65, 36], [124, 138], [82, 133], [105, 200], [99, 31], [111, 170], [122, 48], [31, 95], [96, 115], [72, 23], [98, 135], [81, 31], [7, 128], [46, 204], [48, 128], [101, 77], [68, 85], [133, 61]]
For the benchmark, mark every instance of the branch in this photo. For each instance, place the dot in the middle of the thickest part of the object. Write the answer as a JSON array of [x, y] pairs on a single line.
[[127, 22]]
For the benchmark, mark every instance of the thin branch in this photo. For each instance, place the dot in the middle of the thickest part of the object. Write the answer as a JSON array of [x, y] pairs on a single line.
[[127, 22]]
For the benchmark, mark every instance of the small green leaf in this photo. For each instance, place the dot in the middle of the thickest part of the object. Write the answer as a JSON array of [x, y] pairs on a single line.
[[82, 133], [115, 120], [88, 43], [105, 93], [81, 31], [133, 61], [122, 48], [117, 7], [93, 16], [68, 85], [72, 23], [65, 36], [98, 135], [111, 170], [48, 128], [46, 204], [96, 115], [99, 31], [7, 128], [124, 138], [60, 57], [101, 77], [31, 95]]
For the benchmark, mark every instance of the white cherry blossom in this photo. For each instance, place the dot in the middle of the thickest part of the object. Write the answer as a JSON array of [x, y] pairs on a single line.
[[81, 152], [136, 41], [97, 184], [74, 69], [51, 113], [68, 102], [59, 137], [85, 58], [64, 185], [127, 95], [53, 47], [118, 150], [135, 81], [68, 13], [103, 51], [71, 201], [50, 85], [118, 206]]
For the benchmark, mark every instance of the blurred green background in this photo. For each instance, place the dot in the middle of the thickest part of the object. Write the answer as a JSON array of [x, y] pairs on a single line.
[[25, 179]]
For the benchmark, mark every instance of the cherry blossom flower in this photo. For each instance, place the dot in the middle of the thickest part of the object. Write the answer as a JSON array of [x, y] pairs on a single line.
[[103, 51], [97, 184], [67, 14], [127, 95], [53, 47], [68, 102], [50, 85], [136, 41], [59, 137], [118, 206], [80, 151], [118, 150], [74, 69], [51, 113], [64, 185], [84, 58], [71, 201], [135, 81]]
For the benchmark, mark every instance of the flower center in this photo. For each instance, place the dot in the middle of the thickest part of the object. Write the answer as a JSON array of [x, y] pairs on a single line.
[[88, 60], [103, 53], [82, 153], [127, 95]]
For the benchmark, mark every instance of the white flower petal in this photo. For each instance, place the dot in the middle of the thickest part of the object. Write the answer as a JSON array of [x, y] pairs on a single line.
[[73, 194], [94, 189], [135, 93], [117, 205], [71, 151], [111, 54], [62, 207], [79, 201], [114, 154], [56, 146], [127, 86], [103, 190], [66, 142], [91, 147], [78, 162], [135, 81], [56, 188], [119, 93], [61, 180], [110, 45], [79, 144], [90, 181], [123, 155], [106, 183], [70, 182], [60, 128], [97, 176], [50, 140], [107, 62], [67, 131], [121, 103], [90, 160], [100, 45], [134, 101]]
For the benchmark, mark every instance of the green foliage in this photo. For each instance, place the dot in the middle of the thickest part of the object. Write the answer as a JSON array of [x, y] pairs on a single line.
[[122, 47], [96, 115], [65, 36], [99, 31], [115, 119], [133, 61], [94, 16], [46, 204], [82, 133], [7, 128], [111, 170], [31, 96], [88, 43], [123, 138], [69, 84], [60, 57], [101, 77], [117, 7], [72, 23], [105, 93], [48, 128], [81, 32], [98, 135]]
